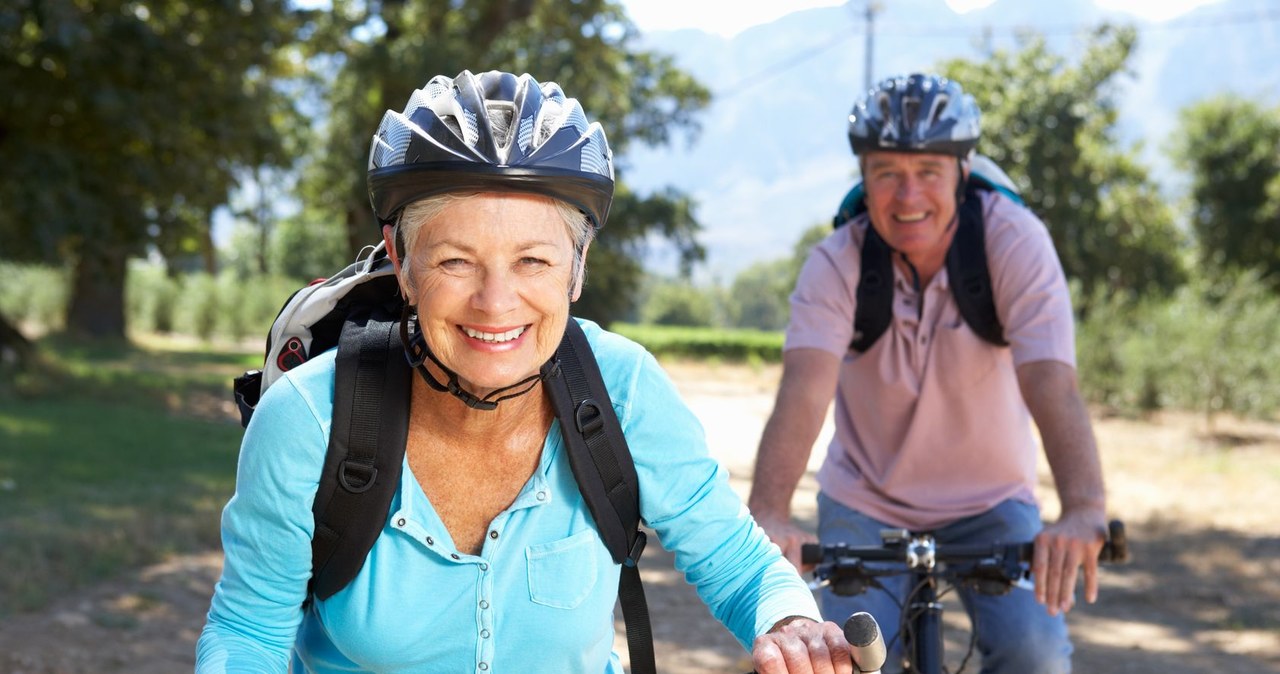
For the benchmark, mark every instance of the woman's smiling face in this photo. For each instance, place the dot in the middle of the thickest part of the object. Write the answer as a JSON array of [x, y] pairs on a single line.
[[492, 276]]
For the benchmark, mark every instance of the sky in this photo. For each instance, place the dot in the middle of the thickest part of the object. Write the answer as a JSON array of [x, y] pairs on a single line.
[[730, 17]]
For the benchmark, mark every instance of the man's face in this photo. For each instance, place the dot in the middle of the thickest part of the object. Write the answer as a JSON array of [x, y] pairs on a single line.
[[911, 198]]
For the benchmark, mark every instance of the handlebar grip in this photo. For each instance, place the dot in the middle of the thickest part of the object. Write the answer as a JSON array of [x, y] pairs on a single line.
[[1116, 549], [811, 553]]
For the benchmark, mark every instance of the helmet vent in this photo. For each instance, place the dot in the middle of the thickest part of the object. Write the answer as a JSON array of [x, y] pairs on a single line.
[[548, 121], [939, 107], [501, 114], [910, 112], [883, 101]]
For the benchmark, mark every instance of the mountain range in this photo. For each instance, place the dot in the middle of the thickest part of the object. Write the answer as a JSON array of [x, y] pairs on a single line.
[[772, 157]]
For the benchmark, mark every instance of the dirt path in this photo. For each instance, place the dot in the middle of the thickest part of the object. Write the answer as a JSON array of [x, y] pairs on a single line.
[[1202, 596]]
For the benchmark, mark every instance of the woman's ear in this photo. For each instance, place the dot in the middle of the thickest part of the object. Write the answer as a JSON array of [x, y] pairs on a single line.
[[389, 239], [579, 274]]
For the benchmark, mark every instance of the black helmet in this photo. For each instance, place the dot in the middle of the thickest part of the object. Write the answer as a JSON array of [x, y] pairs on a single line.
[[491, 132], [918, 113]]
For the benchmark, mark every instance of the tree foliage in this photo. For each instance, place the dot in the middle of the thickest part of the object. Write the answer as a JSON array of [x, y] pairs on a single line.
[[759, 296], [124, 124], [1051, 126], [384, 50], [1231, 148]]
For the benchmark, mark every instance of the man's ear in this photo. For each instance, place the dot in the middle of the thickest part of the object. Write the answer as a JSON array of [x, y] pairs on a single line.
[[579, 274]]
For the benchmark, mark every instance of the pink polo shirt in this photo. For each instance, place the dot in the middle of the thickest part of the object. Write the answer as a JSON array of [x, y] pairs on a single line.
[[930, 424]]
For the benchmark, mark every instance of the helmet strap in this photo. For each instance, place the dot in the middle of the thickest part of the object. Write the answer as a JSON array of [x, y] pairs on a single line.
[[416, 352], [962, 183]]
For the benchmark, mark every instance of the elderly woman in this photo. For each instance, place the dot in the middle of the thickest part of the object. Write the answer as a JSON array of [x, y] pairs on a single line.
[[489, 189]]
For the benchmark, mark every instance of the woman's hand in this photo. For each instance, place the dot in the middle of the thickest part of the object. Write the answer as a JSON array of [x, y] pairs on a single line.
[[802, 646]]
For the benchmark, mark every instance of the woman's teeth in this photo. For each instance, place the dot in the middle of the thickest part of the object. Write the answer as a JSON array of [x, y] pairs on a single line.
[[494, 337]]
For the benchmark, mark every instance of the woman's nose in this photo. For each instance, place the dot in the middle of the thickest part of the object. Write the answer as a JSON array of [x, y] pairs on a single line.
[[496, 292]]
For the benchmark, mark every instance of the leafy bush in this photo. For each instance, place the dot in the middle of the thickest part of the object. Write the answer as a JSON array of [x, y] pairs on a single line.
[[33, 294], [705, 343], [230, 306], [1209, 347], [677, 302]]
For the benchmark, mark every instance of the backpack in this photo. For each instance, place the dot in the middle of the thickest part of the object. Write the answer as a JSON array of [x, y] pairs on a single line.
[[358, 310], [966, 263]]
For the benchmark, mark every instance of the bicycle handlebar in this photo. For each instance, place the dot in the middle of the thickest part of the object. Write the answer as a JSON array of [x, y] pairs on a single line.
[[897, 548]]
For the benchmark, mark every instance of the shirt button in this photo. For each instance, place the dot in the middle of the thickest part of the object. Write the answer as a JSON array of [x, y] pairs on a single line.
[[542, 496], [400, 522], [484, 604], [484, 634], [493, 534], [454, 555], [483, 666], [430, 541], [484, 567]]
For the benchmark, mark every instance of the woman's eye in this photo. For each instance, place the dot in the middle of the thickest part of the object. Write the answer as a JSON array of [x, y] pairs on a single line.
[[453, 263], [533, 262]]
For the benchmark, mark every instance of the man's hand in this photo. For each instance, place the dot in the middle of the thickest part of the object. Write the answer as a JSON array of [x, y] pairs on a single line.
[[802, 646], [789, 537], [1061, 549]]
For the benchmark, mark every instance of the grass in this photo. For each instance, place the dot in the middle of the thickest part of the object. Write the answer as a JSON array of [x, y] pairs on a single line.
[[120, 455]]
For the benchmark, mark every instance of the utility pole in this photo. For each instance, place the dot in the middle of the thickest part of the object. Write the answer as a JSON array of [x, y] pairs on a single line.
[[872, 8]]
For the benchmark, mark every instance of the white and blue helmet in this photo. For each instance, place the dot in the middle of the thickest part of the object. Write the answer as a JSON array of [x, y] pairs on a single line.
[[490, 132], [916, 113]]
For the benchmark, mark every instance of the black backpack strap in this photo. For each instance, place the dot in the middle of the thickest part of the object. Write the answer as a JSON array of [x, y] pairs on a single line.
[[874, 310], [366, 449], [969, 275], [606, 476]]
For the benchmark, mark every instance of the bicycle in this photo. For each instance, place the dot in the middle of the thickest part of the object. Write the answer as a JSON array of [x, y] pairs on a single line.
[[935, 569]]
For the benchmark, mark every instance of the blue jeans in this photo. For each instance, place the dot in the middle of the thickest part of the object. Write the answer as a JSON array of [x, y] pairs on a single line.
[[1016, 634]]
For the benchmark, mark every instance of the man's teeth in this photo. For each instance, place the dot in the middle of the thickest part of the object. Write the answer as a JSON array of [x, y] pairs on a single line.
[[494, 337]]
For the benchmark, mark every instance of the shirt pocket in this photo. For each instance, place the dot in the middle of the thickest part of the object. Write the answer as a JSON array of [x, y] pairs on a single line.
[[563, 573]]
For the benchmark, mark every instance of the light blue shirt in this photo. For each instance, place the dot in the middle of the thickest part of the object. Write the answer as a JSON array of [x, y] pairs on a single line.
[[540, 595]]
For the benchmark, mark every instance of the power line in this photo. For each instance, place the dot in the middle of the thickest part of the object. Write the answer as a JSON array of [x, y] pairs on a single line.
[[1228, 19], [777, 68], [985, 32]]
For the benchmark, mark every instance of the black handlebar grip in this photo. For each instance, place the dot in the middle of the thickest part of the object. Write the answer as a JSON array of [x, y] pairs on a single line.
[[1116, 549], [811, 553]]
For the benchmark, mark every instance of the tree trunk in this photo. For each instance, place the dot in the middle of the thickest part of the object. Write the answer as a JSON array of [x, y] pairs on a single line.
[[16, 352], [97, 295]]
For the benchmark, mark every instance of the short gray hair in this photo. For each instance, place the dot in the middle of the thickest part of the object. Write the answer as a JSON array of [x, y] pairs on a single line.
[[415, 215]]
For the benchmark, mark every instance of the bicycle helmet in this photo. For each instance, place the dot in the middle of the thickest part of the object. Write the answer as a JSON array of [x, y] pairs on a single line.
[[490, 132], [917, 113]]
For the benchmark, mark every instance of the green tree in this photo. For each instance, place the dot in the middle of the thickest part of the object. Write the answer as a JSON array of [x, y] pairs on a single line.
[[387, 49], [1231, 148], [123, 124], [1051, 126], [759, 296], [678, 302]]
